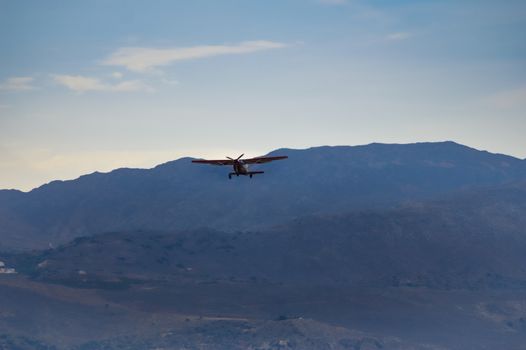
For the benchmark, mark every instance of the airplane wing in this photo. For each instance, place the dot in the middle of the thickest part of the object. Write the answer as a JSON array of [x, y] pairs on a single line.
[[260, 160], [214, 162]]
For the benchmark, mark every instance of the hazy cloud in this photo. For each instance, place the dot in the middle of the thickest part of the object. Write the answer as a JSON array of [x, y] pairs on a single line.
[[398, 36], [509, 98], [27, 168], [17, 84], [170, 81], [142, 59], [333, 2], [81, 83]]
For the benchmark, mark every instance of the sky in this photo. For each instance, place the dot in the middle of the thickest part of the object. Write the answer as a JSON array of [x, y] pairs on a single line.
[[96, 85]]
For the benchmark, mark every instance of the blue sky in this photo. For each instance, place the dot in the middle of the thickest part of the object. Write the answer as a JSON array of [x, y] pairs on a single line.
[[95, 85]]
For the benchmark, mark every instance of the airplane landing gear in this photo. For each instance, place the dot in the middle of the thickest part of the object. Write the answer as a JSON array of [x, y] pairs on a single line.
[[250, 175]]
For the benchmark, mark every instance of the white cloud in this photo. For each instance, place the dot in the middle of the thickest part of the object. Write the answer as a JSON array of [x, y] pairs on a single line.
[[142, 59], [117, 75], [17, 84], [81, 83], [398, 36]]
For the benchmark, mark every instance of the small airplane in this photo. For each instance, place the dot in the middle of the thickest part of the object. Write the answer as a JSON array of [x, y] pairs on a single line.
[[240, 165]]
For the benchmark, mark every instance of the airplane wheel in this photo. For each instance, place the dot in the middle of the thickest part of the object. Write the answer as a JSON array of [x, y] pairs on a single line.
[[230, 176], [250, 175]]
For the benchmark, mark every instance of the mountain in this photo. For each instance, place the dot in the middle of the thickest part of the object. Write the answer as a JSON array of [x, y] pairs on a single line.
[[181, 195], [373, 247], [473, 240], [435, 274]]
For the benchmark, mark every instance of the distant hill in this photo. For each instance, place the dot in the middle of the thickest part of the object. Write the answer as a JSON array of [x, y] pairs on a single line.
[[474, 240], [179, 195]]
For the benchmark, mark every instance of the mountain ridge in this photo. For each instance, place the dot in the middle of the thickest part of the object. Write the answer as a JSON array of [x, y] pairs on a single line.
[[182, 195], [273, 152]]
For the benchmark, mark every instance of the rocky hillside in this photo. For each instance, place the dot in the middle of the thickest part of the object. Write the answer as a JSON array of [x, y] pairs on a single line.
[[474, 240]]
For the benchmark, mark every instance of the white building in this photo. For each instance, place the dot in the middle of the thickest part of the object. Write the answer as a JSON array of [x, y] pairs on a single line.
[[4, 269]]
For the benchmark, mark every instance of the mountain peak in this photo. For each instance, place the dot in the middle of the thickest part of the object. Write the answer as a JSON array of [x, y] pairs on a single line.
[[181, 195]]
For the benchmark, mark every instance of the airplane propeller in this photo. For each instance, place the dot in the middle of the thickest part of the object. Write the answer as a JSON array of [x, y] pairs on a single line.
[[238, 158]]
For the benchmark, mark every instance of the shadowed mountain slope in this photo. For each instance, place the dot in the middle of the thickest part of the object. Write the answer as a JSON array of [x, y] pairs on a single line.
[[181, 195], [470, 241], [395, 273]]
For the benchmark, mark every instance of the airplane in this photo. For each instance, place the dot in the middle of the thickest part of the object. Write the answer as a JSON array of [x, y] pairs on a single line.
[[240, 165]]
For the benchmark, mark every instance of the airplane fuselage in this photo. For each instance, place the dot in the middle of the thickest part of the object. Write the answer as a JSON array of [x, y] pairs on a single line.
[[241, 168]]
